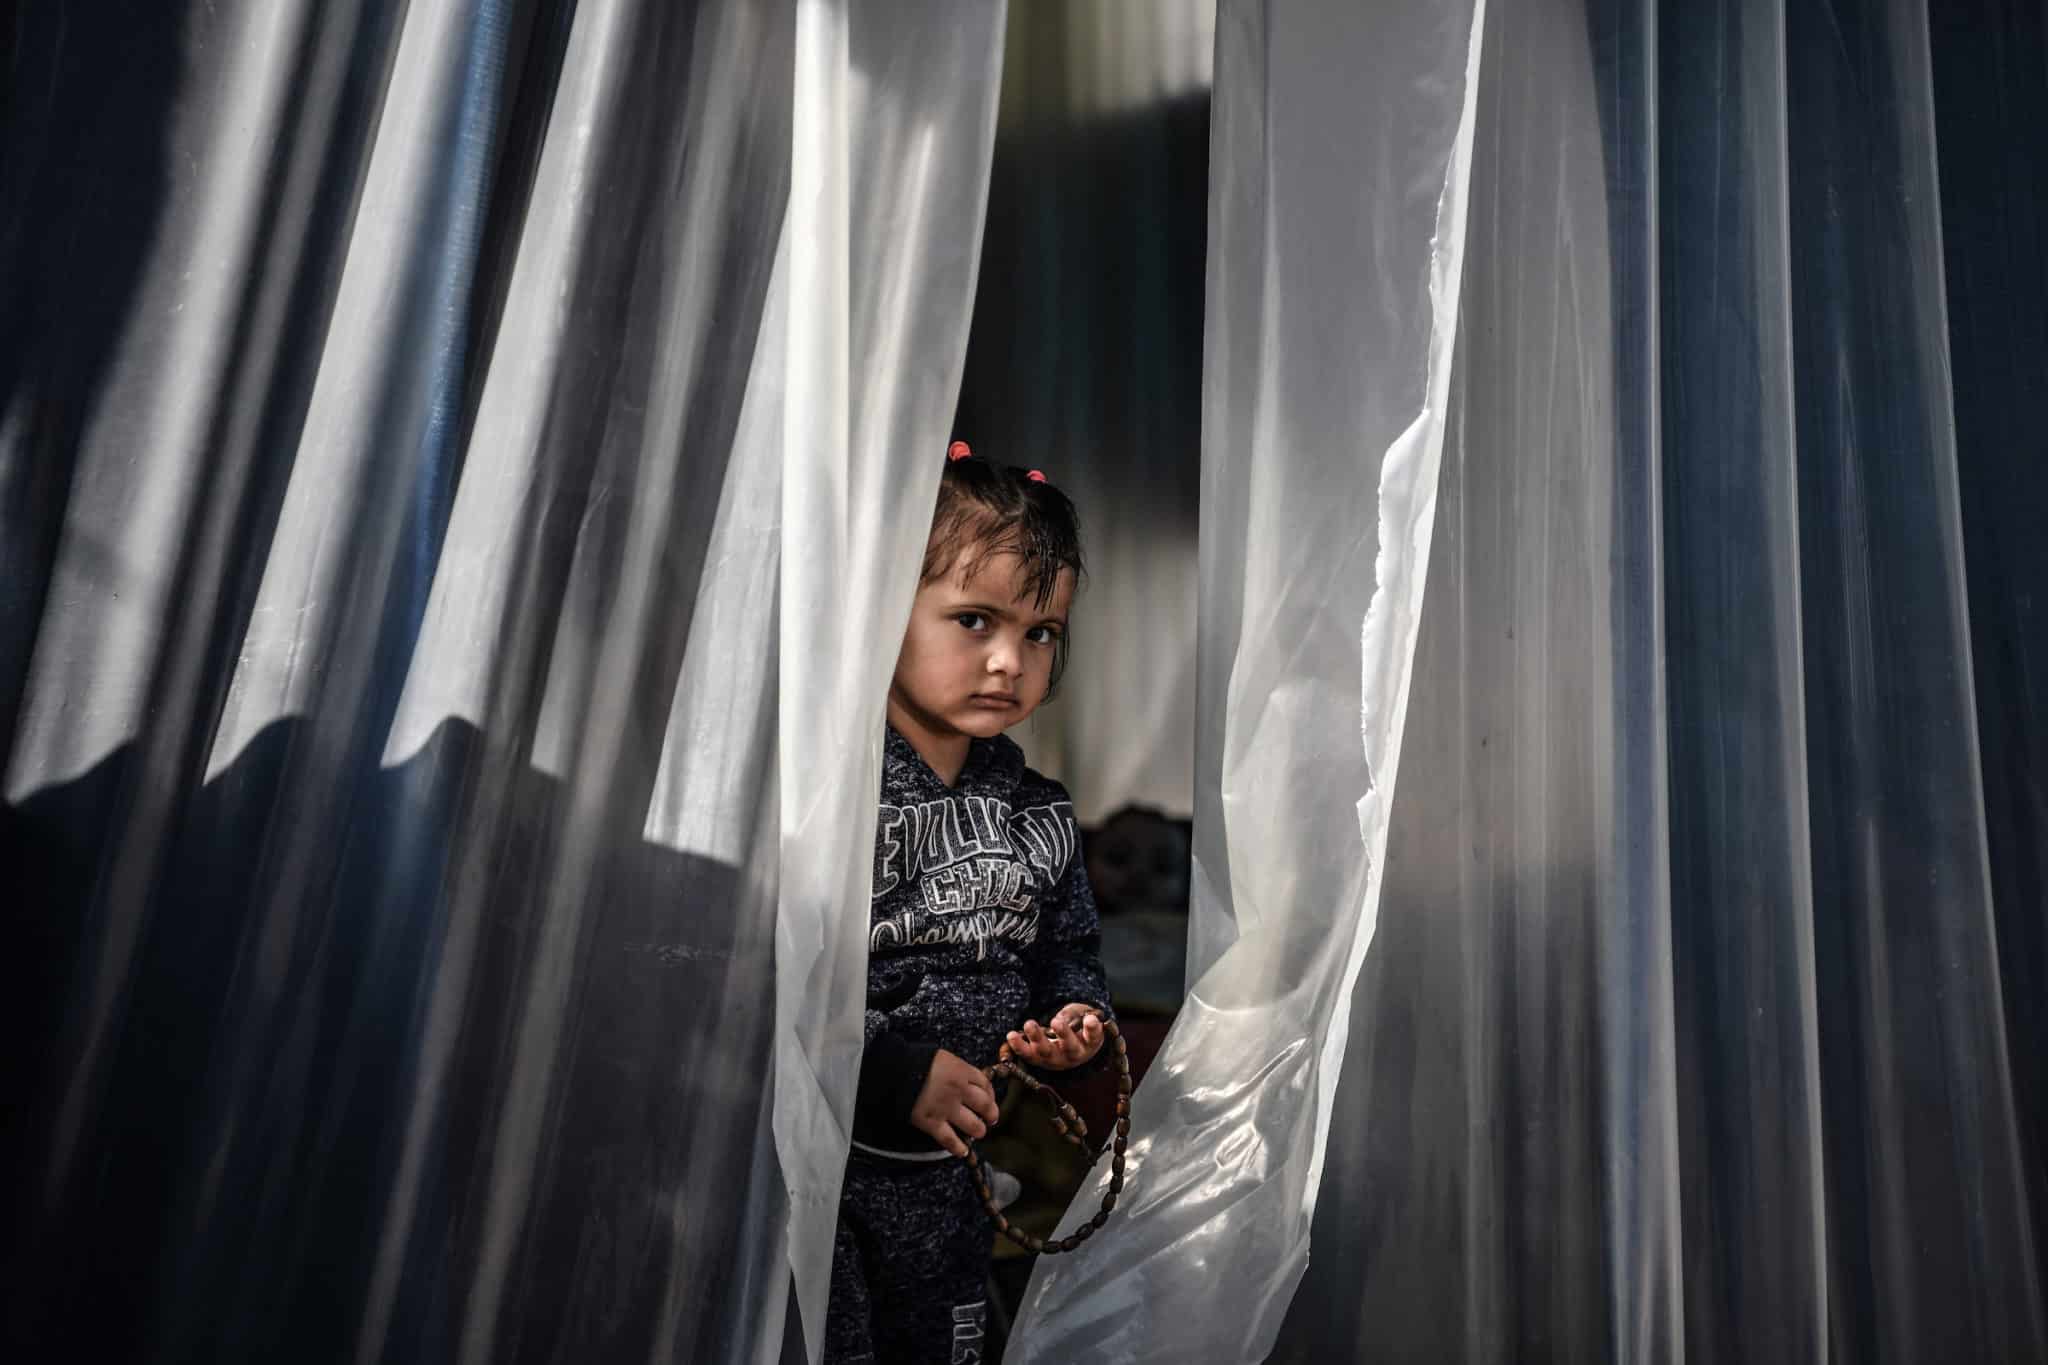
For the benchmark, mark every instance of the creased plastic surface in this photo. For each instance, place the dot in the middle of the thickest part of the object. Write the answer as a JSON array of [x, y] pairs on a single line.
[[454, 512], [1700, 1020], [895, 122], [1323, 420]]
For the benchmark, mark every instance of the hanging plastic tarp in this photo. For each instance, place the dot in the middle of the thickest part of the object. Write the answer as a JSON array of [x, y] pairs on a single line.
[[462, 470], [1339, 150], [1703, 1017], [1699, 1014], [457, 512]]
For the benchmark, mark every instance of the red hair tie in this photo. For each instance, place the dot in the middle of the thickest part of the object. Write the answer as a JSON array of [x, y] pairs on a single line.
[[1035, 477], [957, 451]]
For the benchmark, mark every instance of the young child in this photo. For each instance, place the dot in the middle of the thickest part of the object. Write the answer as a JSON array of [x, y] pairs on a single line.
[[982, 921]]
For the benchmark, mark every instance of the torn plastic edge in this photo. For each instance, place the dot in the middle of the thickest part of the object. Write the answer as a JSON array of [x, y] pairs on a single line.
[[1407, 520]]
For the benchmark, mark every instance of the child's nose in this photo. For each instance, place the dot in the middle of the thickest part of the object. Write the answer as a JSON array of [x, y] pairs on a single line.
[[1002, 658]]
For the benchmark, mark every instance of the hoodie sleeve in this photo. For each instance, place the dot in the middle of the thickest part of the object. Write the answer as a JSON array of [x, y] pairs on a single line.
[[892, 1072], [1066, 959]]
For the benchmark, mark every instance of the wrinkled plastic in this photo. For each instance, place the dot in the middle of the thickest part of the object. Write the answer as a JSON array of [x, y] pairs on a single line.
[[1322, 426], [454, 560], [459, 464], [1698, 1022], [1700, 1013]]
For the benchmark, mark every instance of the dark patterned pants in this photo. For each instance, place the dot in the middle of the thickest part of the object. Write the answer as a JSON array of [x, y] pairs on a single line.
[[909, 1267]]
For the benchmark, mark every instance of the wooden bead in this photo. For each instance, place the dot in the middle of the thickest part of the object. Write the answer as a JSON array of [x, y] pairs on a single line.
[[1069, 1124]]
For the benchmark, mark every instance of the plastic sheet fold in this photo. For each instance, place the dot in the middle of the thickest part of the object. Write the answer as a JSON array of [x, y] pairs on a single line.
[[462, 471], [444, 672], [1689, 1029], [1322, 426]]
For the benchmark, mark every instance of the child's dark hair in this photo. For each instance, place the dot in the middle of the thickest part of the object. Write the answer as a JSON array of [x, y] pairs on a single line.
[[987, 509]]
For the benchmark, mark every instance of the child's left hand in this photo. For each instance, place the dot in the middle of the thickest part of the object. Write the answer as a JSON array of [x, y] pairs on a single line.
[[1075, 1036]]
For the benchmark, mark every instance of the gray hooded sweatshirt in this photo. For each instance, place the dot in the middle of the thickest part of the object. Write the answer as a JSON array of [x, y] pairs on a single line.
[[982, 918]]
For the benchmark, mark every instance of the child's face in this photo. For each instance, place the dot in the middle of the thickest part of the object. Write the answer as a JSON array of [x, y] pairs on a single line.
[[978, 655]]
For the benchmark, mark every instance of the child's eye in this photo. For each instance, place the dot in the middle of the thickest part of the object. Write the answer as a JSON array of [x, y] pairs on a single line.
[[972, 620], [1043, 635]]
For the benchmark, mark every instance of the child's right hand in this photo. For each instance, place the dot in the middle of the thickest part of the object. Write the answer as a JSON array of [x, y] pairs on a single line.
[[957, 1103]]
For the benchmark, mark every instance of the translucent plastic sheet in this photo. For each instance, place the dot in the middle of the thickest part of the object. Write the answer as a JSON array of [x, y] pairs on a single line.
[[1702, 1015], [1339, 146], [895, 118], [1702, 1018], [462, 466]]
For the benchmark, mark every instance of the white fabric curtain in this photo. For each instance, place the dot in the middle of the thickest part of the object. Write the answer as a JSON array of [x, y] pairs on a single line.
[[446, 669]]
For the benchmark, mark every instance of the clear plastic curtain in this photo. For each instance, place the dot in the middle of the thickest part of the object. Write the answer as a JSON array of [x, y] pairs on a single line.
[[1703, 1019], [1700, 1012], [461, 463], [1339, 145]]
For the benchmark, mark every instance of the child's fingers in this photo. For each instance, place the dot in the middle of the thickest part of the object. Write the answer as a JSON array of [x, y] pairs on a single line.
[[1074, 1036], [1073, 1026], [941, 1132], [982, 1101], [1070, 1040], [968, 1123]]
